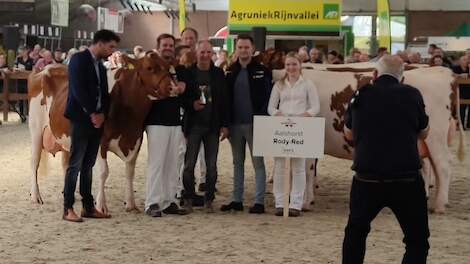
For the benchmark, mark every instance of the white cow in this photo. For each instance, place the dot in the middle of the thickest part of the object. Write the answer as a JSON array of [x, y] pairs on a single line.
[[436, 84]]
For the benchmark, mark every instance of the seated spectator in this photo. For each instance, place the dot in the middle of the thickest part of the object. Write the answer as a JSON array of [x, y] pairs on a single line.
[[138, 52], [445, 60], [364, 57], [24, 61], [436, 60], [303, 55], [316, 56], [332, 57], [44, 61], [58, 56], [69, 55], [34, 55], [415, 58], [380, 53]]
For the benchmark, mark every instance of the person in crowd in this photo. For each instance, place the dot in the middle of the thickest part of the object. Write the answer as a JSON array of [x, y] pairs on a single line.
[[292, 96], [138, 52], [436, 60], [303, 55], [206, 122], [44, 61], [332, 57], [249, 87], [34, 55], [364, 57], [463, 71], [315, 56], [222, 59], [403, 55], [70, 53], [87, 107], [396, 112], [189, 37], [445, 61], [415, 58], [23, 62], [165, 136], [58, 56], [355, 55], [431, 49], [380, 53], [82, 47]]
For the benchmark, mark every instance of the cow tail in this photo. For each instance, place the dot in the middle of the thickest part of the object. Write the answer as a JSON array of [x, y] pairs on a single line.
[[461, 149], [43, 164]]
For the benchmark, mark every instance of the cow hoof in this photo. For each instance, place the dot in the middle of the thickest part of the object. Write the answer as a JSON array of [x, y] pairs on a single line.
[[438, 211], [133, 209], [36, 198]]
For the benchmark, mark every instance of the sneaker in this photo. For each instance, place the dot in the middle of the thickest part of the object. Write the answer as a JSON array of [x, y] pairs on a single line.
[[279, 212], [294, 212], [174, 209], [154, 211], [257, 209], [236, 206]]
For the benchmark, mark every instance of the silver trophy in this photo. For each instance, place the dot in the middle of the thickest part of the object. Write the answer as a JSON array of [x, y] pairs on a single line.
[[202, 98]]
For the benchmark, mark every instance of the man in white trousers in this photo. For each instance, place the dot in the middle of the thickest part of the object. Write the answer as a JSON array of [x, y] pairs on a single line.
[[164, 135]]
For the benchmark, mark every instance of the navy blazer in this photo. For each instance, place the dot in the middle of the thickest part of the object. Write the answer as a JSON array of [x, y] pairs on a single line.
[[83, 94]]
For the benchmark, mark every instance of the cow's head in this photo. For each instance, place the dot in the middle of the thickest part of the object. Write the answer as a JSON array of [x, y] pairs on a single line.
[[52, 79], [153, 73]]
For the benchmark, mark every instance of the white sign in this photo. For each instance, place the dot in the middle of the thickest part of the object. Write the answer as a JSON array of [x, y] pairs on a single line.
[[111, 20], [292, 137], [60, 13], [450, 43]]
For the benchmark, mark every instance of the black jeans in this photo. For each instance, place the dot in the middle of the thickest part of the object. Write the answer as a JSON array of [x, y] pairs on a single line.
[[407, 200], [210, 139], [83, 151]]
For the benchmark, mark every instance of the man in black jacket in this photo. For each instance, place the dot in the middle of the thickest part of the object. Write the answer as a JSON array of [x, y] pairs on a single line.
[[87, 106], [385, 120], [249, 88], [205, 122]]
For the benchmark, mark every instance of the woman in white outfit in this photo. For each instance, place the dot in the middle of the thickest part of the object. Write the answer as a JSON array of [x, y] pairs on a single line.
[[292, 96]]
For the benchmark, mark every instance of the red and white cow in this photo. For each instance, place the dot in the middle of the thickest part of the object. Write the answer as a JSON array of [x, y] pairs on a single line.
[[337, 83], [133, 90]]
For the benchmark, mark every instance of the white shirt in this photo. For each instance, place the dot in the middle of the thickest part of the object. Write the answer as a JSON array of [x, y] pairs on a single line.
[[294, 100]]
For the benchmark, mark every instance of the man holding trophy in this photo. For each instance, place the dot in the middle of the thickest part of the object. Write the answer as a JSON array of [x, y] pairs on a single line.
[[207, 122]]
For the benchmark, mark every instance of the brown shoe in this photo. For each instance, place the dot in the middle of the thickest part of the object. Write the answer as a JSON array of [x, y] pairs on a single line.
[[71, 216], [94, 214]]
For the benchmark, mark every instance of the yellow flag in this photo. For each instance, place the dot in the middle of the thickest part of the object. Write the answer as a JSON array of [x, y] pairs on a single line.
[[384, 32], [182, 11]]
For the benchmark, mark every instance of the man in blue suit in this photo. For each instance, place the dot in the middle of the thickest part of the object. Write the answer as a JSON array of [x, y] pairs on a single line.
[[87, 105]]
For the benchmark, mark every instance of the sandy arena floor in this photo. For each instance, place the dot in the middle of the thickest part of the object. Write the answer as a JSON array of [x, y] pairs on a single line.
[[33, 233]]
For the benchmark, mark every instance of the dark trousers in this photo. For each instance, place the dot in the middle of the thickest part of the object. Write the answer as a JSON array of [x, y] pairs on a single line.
[[210, 139], [84, 149], [465, 94], [407, 200]]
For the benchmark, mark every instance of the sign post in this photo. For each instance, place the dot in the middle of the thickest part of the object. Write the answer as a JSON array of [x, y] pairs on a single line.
[[289, 137]]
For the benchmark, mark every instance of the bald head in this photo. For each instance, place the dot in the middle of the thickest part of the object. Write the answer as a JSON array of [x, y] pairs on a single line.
[[390, 65]]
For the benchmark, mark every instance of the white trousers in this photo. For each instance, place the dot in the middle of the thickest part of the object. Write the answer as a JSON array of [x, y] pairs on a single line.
[[298, 182], [162, 165]]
